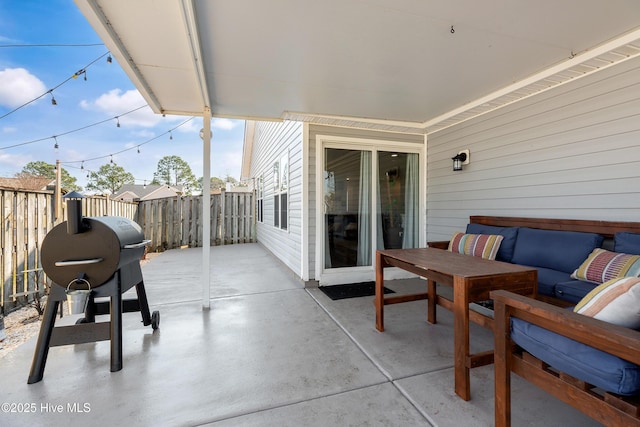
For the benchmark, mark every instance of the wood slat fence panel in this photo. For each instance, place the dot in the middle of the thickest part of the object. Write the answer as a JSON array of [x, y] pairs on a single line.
[[169, 223], [177, 221], [26, 219]]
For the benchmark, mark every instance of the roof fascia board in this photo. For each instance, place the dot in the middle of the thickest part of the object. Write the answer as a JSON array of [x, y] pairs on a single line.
[[395, 123], [191, 25], [116, 47]]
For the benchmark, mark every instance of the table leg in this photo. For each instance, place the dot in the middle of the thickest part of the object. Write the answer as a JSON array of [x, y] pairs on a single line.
[[461, 337], [379, 292], [431, 301]]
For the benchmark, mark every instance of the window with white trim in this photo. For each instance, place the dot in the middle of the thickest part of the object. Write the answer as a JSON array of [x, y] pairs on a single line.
[[280, 192], [260, 198]]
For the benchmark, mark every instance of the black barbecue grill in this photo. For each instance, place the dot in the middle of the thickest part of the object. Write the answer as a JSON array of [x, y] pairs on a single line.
[[101, 255], [101, 247]]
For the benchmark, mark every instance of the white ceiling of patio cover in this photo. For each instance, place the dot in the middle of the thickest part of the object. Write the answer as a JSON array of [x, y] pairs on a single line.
[[380, 59]]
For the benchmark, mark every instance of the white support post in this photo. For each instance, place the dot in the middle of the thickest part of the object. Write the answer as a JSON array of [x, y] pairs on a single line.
[[206, 209]]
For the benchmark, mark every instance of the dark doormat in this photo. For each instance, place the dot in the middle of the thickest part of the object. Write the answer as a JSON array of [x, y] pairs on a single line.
[[352, 290]]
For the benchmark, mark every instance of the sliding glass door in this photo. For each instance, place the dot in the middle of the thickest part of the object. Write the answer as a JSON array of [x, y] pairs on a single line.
[[370, 201], [397, 211]]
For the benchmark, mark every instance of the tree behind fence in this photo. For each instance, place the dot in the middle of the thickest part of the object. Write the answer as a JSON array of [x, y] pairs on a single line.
[[169, 223]]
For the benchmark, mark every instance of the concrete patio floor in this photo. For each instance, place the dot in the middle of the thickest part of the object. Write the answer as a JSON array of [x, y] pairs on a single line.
[[267, 353]]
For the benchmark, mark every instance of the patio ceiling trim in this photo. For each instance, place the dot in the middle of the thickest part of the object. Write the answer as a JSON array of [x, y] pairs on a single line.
[[581, 65]]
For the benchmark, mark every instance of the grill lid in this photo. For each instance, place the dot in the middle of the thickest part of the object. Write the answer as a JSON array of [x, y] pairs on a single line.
[[105, 244]]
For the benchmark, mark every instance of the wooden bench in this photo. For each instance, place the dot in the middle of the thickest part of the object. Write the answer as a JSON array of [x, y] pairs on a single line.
[[606, 408], [607, 229]]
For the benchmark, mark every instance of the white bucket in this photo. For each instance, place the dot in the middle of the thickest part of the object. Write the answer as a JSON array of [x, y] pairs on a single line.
[[77, 298]]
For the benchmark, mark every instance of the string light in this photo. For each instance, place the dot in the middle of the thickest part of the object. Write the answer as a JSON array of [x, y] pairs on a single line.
[[72, 131], [109, 59], [53, 45], [89, 172], [128, 149], [82, 165], [117, 122], [55, 145], [170, 135], [50, 91], [138, 149], [79, 72]]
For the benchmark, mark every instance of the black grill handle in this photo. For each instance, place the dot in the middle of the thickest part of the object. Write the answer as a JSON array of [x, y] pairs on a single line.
[[137, 245], [78, 262]]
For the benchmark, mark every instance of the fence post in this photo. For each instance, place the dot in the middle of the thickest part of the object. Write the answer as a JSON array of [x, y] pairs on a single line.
[[223, 216]]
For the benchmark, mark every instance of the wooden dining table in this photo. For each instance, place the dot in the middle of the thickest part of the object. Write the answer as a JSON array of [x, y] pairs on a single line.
[[472, 279]]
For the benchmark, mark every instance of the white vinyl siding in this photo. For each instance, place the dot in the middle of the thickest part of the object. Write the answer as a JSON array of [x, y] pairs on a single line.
[[273, 142], [571, 152]]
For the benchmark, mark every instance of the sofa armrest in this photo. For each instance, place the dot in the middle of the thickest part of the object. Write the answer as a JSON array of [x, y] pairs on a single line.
[[439, 244], [613, 339]]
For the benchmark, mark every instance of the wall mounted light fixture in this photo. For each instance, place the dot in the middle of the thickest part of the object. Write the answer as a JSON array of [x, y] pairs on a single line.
[[462, 158]]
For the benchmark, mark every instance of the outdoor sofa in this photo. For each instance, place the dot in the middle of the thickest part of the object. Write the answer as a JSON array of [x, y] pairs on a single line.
[[587, 356]]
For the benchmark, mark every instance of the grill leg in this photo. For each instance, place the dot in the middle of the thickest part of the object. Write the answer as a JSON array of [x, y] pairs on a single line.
[[144, 304], [44, 339], [116, 327]]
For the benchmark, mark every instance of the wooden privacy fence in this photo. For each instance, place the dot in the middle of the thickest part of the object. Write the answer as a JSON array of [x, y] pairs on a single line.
[[169, 223], [26, 218], [177, 221]]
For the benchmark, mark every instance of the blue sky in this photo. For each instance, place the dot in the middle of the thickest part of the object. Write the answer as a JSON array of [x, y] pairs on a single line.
[[28, 72]]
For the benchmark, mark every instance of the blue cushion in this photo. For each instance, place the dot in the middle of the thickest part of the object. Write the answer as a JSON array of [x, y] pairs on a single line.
[[586, 363], [509, 234], [557, 250], [573, 290], [626, 243], [547, 279]]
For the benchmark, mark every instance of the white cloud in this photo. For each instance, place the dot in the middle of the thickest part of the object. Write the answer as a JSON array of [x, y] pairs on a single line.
[[115, 102], [145, 134], [9, 129], [225, 124], [13, 162], [18, 86]]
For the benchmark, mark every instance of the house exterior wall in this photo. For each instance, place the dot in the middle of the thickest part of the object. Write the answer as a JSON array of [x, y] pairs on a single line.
[[570, 152], [272, 141]]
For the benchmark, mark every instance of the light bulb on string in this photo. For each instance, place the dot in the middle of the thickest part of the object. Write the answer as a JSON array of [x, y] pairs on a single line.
[[138, 149], [109, 59], [79, 72], [117, 121], [55, 145], [170, 135], [112, 159], [53, 99]]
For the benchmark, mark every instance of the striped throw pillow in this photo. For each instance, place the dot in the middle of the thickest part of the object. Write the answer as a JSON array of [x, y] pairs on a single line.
[[602, 265], [615, 301], [481, 245]]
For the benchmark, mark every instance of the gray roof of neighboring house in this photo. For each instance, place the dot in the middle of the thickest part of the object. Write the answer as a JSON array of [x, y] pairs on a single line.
[[31, 183], [142, 191]]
